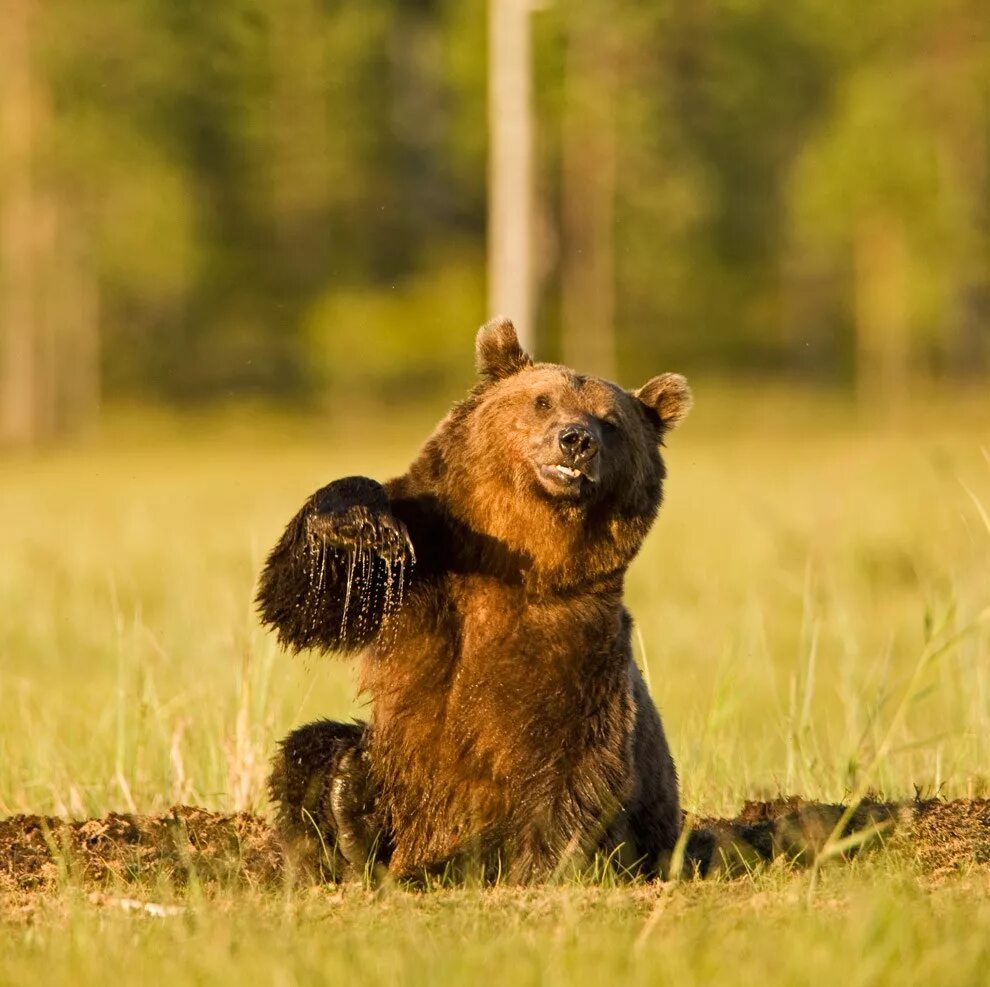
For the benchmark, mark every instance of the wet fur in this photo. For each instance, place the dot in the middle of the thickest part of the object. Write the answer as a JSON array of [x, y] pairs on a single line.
[[510, 729]]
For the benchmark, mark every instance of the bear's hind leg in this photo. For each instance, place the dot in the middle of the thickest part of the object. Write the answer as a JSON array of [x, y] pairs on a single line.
[[325, 812], [359, 835]]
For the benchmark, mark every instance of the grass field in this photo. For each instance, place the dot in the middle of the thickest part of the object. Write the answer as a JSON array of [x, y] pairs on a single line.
[[812, 614]]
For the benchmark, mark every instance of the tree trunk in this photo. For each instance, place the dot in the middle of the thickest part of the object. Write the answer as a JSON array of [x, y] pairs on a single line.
[[19, 400], [49, 345], [588, 194], [510, 165], [958, 109]]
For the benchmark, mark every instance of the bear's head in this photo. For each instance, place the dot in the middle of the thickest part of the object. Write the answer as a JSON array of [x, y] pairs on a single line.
[[562, 469]]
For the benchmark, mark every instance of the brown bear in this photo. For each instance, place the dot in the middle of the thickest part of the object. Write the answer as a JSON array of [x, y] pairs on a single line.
[[510, 728]]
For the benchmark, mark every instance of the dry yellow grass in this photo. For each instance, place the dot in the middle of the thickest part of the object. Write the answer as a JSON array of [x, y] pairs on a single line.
[[804, 561]]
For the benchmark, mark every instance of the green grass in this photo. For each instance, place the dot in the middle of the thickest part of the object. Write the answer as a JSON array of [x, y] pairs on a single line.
[[804, 564], [863, 929]]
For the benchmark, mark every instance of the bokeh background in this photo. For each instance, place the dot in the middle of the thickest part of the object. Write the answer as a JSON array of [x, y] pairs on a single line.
[[287, 201], [244, 249]]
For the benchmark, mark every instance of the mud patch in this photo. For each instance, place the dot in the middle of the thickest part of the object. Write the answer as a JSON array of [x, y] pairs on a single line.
[[937, 836], [38, 853], [41, 853], [791, 828], [950, 835]]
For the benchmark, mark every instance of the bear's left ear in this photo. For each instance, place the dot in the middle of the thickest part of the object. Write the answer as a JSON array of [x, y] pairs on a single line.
[[498, 350], [668, 397]]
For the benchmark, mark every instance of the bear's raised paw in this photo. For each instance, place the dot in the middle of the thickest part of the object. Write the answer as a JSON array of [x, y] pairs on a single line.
[[360, 529]]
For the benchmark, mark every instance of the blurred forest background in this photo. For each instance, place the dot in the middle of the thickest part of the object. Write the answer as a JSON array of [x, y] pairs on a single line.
[[289, 201]]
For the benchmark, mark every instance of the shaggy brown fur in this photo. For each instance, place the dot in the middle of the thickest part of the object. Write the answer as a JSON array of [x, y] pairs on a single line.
[[510, 727]]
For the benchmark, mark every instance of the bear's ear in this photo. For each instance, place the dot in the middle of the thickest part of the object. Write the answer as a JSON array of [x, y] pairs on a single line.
[[498, 350], [668, 397]]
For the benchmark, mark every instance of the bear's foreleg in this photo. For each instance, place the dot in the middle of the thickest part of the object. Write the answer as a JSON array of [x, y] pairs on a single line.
[[340, 569]]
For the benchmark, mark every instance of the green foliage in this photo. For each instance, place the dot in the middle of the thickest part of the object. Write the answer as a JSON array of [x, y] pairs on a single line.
[[391, 346], [251, 180]]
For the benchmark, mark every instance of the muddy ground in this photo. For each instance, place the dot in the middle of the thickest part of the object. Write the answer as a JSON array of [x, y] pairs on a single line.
[[188, 844]]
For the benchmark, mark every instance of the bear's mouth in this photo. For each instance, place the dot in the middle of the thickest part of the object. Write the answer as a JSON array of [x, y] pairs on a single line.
[[563, 479], [561, 472]]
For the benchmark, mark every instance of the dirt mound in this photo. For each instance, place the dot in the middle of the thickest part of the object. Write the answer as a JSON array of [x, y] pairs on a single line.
[[946, 835], [188, 844], [790, 828], [38, 852], [938, 836]]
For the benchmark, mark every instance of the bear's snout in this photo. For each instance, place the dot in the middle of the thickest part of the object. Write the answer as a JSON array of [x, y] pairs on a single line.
[[579, 443]]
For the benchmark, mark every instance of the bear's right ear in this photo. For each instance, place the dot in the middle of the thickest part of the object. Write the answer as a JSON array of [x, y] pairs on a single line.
[[498, 350], [668, 397]]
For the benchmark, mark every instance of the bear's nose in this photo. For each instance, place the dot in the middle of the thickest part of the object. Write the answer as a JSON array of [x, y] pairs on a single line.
[[578, 442]]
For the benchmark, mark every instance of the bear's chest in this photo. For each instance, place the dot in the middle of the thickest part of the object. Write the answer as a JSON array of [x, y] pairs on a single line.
[[514, 659], [508, 710]]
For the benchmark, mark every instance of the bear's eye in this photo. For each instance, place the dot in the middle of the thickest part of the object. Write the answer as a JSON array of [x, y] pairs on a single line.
[[543, 403], [610, 423]]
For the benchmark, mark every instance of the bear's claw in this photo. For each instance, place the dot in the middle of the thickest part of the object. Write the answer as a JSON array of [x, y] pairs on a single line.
[[360, 529]]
